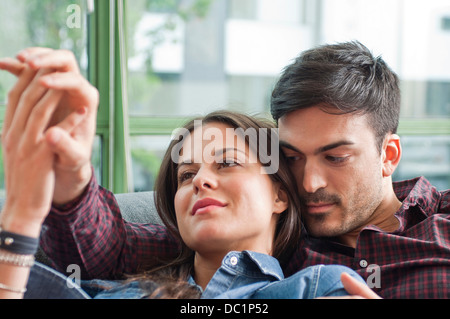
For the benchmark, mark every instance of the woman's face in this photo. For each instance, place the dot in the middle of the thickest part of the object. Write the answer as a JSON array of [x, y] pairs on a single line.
[[223, 201]]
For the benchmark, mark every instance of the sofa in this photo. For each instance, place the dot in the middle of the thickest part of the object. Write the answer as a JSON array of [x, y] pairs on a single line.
[[135, 207]]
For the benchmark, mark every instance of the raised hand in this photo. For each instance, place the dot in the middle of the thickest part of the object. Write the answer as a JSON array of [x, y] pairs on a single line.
[[28, 159], [71, 144]]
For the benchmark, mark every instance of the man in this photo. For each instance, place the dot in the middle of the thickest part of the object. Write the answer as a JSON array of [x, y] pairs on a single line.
[[337, 108]]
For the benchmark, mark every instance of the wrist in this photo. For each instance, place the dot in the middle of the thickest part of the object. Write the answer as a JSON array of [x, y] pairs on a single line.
[[23, 227], [70, 185]]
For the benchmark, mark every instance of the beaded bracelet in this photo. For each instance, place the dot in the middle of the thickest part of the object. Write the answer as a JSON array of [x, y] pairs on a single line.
[[20, 260], [11, 289], [18, 244]]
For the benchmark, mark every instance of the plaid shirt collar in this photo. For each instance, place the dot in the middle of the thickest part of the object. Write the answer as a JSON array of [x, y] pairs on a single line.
[[417, 195]]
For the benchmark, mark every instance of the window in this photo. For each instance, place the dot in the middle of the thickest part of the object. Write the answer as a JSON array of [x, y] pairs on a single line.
[[183, 62], [47, 23], [186, 58], [157, 63], [445, 23]]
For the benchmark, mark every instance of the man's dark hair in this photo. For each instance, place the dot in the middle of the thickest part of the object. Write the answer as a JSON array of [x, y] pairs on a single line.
[[345, 76]]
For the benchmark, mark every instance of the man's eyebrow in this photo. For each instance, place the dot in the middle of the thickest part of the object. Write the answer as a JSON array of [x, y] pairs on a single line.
[[333, 145], [289, 146], [320, 149]]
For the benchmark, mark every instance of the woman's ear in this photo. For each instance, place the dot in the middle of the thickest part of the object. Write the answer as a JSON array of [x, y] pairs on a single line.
[[281, 202], [392, 153]]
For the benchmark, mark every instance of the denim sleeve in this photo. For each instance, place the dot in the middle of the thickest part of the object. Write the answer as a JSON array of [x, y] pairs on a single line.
[[309, 283], [329, 281]]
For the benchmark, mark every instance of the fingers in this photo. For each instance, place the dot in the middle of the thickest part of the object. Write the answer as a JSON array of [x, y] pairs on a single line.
[[69, 152], [72, 120], [37, 121], [36, 58], [60, 60], [12, 66], [14, 96], [22, 109], [357, 288], [26, 53], [73, 84]]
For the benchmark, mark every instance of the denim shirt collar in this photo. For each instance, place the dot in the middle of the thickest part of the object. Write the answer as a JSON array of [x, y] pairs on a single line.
[[240, 273]]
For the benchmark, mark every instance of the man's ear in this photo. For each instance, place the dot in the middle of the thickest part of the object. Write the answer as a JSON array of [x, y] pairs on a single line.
[[392, 153], [281, 201]]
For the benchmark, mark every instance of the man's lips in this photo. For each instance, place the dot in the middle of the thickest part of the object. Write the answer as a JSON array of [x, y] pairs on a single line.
[[203, 205], [317, 208]]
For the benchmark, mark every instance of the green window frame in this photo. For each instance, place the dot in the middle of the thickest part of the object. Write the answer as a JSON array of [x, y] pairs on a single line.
[[115, 125], [106, 71]]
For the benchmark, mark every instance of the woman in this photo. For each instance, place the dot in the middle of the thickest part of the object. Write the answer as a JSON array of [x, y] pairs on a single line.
[[236, 222], [237, 218]]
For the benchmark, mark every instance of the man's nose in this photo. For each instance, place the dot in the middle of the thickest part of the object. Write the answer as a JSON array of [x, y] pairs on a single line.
[[313, 178]]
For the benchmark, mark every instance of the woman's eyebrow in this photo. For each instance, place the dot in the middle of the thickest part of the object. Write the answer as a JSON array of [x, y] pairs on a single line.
[[227, 149], [190, 161]]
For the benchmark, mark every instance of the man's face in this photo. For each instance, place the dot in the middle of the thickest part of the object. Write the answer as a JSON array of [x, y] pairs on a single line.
[[337, 167]]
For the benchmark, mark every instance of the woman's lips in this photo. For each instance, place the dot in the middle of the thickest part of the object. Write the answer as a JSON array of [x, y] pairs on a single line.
[[205, 205]]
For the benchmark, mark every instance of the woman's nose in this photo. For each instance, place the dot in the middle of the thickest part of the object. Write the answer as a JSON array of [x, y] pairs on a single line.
[[205, 178]]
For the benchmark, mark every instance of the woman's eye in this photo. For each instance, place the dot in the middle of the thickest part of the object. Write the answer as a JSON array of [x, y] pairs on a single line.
[[228, 163], [185, 176]]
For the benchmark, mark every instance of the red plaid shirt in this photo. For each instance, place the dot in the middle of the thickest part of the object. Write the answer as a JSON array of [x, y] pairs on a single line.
[[412, 262]]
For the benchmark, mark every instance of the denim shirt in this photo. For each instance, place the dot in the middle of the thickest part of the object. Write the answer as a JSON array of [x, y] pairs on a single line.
[[251, 275], [242, 275]]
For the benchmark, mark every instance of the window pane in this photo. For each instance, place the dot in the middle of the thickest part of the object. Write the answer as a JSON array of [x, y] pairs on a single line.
[[44, 23], [96, 159], [146, 154], [227, 54], [427, 156], [412, 37], [184, 61]]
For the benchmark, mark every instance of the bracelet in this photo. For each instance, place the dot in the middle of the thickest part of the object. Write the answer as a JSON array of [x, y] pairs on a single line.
[[11, 289], [18, 244], [16, 259]]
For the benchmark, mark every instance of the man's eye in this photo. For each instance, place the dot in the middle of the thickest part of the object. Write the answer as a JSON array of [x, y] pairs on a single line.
[[293, 158], [337, 159]]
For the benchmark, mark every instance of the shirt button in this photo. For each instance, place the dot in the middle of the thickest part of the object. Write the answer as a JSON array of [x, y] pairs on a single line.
[[233, 260]]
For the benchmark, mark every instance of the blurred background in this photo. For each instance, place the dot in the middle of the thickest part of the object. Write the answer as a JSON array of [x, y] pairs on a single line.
[[158, 63]]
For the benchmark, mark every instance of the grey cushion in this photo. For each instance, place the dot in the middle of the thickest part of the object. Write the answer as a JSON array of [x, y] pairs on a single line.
[[138, 207]]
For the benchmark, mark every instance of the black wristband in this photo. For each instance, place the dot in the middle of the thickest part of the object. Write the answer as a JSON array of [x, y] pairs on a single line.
[[18, 244]]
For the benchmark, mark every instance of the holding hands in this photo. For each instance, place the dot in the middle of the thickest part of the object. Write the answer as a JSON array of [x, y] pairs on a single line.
[[47, 136]]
